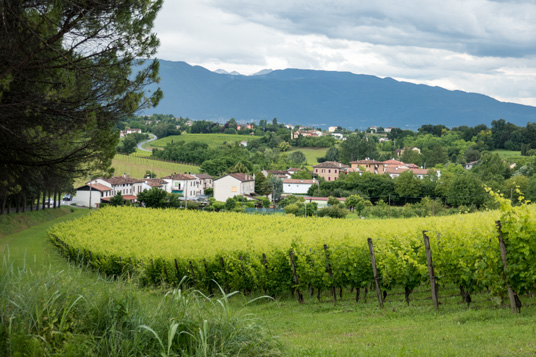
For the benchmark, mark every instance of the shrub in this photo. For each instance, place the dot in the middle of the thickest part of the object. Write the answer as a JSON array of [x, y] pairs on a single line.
[[333, 212]]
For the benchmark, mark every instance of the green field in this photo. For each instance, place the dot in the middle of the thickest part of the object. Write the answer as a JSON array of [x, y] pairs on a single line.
[[506, 153], [315, 328], [135, 166], [213, 140], [311, 154]]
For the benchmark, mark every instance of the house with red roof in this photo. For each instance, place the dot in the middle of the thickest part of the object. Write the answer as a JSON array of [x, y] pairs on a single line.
[[103, 189], [187, 185], [329, 170], [297, 186]]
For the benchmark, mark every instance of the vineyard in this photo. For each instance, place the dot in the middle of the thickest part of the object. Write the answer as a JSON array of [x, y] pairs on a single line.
[[276, 254], [136, 164]]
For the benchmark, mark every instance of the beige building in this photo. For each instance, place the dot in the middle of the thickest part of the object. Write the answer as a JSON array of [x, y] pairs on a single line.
[[372, 166], [233, 185], [329, 170], [206, 181]]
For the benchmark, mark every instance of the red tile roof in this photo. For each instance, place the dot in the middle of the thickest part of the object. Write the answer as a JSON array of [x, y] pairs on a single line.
[[120, 180], [98, 187], [305, 182], [367, 162], [242, 177], [330, 165], [180, 177], [393, 162], [155, 182], [203, 176]]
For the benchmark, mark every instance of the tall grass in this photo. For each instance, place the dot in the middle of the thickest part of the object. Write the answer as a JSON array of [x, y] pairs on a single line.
[[50, 312]]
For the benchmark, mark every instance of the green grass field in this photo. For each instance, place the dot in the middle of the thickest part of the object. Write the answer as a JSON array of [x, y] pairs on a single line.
[[311, 154], [135, 166], [506, 153], [213, 140], [320, 328]]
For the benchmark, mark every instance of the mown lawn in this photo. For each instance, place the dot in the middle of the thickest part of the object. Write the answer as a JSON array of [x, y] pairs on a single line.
[[352, 329]]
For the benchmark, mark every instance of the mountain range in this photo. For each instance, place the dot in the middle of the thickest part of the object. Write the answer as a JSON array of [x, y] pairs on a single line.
[[323, 98]]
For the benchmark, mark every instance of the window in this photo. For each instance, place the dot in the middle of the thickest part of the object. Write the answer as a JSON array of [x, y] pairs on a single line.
[[329, 178], [329, 171]]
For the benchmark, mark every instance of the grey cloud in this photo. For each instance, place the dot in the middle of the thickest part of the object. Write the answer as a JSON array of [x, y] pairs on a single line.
[[479, 27]]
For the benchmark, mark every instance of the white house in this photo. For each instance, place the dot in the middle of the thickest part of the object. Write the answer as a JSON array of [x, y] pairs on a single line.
[[187, 185], [338, 136], [206, 181], [297, 186], [97, 192], [107, 188], [124, 133], [233, 185]]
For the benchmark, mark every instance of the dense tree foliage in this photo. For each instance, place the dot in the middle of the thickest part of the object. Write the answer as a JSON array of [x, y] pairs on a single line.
[[66, 78]]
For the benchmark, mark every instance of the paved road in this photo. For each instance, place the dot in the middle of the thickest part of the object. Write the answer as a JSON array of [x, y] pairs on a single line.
[[140, 145]]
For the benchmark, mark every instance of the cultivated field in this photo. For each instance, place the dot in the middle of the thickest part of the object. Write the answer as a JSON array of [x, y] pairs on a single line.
[[276, 254], [314, 328], [135, 166]]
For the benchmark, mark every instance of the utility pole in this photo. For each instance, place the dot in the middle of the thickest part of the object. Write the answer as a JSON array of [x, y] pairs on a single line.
[[389, 206], [90, 178], [186, 195]]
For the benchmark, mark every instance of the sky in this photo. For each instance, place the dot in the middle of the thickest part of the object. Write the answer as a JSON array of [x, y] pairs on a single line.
[[481, 46]]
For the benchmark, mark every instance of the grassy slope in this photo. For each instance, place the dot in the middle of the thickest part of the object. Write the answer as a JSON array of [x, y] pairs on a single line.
[[311, 154], [136, 166], [349, 329], [31, 246], [15, 222], [213, 140]]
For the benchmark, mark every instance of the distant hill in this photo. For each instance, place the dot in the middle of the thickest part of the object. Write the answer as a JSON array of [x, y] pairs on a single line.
[[324, 98]]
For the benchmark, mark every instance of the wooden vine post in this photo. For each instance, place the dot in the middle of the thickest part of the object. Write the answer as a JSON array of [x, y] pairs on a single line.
[[330, 272], [300, 295], [433, 285], [505, 268], [177, 269], [375, 272]]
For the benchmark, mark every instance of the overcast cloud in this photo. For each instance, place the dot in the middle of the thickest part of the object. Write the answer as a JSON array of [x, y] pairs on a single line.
[[481, 46]]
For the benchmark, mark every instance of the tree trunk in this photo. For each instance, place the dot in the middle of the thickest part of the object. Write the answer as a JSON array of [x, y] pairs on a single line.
[[55, 199], [44, 199], [37, 203], [24, 202], [17, 209]]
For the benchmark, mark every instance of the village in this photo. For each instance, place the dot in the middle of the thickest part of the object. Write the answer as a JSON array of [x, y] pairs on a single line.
[[193, 186]]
